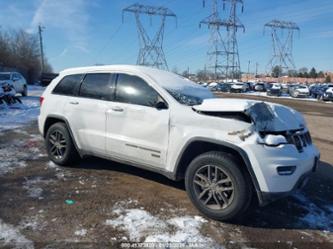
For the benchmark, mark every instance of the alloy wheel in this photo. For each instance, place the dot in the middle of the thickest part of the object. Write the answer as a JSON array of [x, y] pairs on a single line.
[[213, 187], [58, 144]]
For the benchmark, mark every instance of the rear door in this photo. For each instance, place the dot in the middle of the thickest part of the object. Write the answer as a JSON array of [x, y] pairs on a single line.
[[87, 111], [136, 130]]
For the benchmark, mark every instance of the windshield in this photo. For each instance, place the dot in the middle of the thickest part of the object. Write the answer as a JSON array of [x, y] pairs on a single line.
[[185, 91], [190, 97], [4, 76]]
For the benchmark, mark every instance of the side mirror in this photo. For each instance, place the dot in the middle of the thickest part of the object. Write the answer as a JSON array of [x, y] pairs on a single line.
[[161, 105]]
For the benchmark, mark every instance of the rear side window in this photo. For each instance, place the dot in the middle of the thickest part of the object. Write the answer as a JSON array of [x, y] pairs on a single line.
[[68, 85], [97, 86], [134, 90]]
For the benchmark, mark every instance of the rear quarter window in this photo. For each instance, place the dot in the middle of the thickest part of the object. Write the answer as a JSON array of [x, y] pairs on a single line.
[[69, 85]]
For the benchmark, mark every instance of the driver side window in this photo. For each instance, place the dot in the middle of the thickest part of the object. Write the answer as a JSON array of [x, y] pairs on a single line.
[[134, 90]]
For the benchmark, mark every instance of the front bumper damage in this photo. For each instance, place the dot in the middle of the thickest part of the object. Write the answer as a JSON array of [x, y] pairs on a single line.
[[268, 197], [265, 162]]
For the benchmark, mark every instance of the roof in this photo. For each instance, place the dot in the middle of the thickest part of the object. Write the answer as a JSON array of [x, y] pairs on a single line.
[[134, 68], [163, 78]]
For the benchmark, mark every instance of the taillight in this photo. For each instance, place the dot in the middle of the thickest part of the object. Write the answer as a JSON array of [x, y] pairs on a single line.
[[41, 100]]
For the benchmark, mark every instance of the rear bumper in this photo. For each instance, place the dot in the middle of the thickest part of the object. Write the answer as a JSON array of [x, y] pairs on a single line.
[[302, 95], [41, 125]]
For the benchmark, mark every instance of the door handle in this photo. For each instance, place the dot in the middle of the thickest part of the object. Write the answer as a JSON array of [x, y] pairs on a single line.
[[74, 103], [117, 109]]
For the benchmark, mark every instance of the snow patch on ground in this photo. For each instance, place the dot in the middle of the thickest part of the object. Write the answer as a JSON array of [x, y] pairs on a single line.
[[187, 231], [33, 187], [33, 190], [136, 223], [81, 232], [15, 155], [317, 217], [34, 223], [140, 225], [11, 237], [61, 173], [21, 114]]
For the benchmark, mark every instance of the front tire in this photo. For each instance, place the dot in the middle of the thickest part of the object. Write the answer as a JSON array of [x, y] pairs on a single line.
[[60, 146], [217, 186]]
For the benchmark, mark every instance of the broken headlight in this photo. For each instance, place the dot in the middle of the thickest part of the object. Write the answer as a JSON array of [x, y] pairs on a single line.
[[273, 140]]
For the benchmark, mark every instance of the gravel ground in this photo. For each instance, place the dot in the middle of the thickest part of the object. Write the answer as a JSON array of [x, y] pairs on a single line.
[[101, 204]]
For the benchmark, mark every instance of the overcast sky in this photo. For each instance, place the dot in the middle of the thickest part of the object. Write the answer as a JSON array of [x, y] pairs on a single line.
[[84, 32]]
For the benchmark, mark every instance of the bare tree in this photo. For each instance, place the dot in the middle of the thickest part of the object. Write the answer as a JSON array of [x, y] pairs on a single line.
[[20, 50]]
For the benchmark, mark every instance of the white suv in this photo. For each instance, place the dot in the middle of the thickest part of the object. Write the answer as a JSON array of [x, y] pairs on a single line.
[[229, 151], [16, 80]]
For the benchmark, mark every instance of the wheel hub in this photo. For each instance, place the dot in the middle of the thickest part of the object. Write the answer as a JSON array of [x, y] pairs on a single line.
[[58, 144], [214, 187]]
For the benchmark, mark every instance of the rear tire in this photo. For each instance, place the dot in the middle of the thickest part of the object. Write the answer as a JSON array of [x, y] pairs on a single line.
[[60, 146], [218, 187]]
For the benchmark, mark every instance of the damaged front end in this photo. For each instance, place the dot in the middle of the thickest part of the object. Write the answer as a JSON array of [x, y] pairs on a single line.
[[275, 124]]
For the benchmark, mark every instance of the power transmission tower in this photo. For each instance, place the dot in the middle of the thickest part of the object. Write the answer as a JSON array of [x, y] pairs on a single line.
[[40, 32], [234, 24], [151, 48], [224, 56], [218, 51], [282, 45]]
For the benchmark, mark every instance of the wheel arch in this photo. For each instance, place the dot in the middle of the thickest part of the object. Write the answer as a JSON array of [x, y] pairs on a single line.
[[53, 119], [197, 146]]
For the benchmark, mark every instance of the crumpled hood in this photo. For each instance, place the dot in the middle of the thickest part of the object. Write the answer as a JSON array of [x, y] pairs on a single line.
[[265, 115]]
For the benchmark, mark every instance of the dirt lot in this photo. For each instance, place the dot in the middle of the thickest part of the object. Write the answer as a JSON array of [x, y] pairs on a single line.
[[115, 203]]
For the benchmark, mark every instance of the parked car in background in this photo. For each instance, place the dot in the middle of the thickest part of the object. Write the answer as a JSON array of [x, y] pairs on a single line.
[[290, 86], [213, 86], [250, 86], [224, 87], [326, 93], [284, 89], [16, 80], [260, 87], [238, 87], [299, 91], [275, 90], [316, 90]]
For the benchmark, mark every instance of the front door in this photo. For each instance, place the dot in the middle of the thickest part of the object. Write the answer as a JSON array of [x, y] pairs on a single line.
[[136, 130]]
